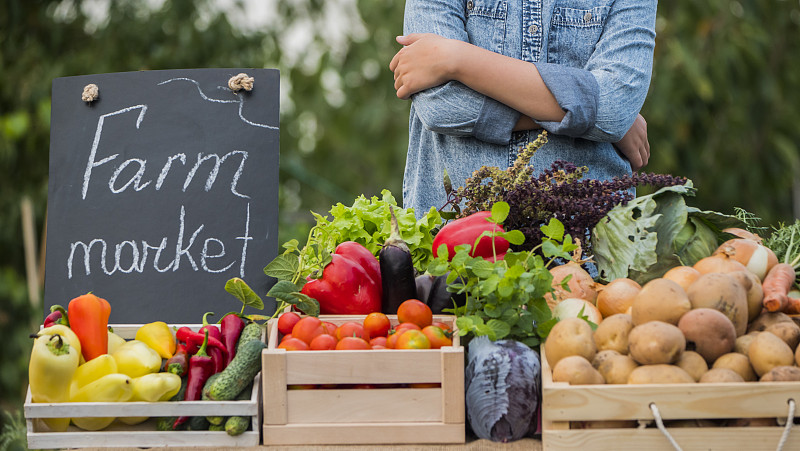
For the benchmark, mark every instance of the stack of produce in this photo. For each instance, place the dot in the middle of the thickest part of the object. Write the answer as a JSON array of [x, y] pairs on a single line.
[[76, 357], [732, 316]]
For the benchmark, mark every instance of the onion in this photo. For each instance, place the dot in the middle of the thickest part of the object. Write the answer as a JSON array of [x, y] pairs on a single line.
[[720, 262], [682, 275], [571, 307], [742, 233], [756, 257], [617, 296], [581, 285]]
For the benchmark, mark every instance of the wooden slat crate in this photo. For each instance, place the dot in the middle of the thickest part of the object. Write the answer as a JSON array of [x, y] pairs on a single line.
[[563, 403], [369, 415], [143, 434]]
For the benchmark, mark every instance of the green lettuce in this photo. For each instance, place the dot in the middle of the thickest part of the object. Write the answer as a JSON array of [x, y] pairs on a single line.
[[646, 237]]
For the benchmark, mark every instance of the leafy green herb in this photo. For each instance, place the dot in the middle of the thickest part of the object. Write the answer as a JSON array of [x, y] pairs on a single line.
[[505, 299]]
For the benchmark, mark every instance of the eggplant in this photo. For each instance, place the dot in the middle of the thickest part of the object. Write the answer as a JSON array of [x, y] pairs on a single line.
[[397, 270], [432, 290]]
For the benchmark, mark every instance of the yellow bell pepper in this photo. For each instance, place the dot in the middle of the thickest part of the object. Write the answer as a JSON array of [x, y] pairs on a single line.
[[158, 336], [91, 371], [135, 359], [114, 341], [115, 387], [152, 387], [65, 332], [52, 364]]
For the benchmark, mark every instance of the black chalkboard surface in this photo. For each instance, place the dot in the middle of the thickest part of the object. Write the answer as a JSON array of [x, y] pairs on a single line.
[[161, 190]]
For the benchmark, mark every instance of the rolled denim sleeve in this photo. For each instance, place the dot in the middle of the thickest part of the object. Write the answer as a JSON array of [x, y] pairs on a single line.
[[453, 108], [621, 67]]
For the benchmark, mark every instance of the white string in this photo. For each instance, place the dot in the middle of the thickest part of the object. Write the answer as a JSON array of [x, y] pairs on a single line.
[[661, 427], [788, 427]]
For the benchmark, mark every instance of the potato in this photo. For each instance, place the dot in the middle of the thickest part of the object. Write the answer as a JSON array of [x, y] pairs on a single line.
[[708, 332], [576, 370], [721, 375], [782, 374], [659, 374], [656, 342], [743, 342], [602, 356], [768, 351], [755, 293], [660, 300], [737, 362], [617, 368], [570, 336], [788, 332], [613, 332], [765, 319], [721, 292], [693, 363], [797, 356], [617, 296]]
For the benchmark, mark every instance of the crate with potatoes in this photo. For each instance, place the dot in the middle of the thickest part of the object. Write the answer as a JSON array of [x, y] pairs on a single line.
[[692, 356]]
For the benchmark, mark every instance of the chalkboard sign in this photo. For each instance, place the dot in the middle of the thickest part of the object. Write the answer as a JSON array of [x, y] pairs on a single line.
[[161, 190]]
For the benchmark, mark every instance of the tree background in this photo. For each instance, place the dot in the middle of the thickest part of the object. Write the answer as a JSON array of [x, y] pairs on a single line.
[[722, 108]]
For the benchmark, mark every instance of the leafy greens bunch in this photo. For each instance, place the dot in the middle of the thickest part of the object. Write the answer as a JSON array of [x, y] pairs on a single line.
[[559, 192], [505, 298]]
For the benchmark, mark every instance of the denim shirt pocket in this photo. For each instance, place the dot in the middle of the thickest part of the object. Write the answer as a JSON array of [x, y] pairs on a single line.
[[574, 32], [486, 23]]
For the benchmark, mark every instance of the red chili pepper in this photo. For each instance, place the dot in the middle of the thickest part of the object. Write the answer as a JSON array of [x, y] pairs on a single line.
[[201, 367], [179, 362], [231, 325], [213, 330], [350, 283], [466, 231], [88, 318], [194, 339], [57, 316]]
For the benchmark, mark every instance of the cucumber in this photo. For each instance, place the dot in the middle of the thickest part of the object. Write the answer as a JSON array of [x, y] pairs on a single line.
[[251, 331], [213, 420], [198, 424], [216, 427], [237, 425], [238, 374]]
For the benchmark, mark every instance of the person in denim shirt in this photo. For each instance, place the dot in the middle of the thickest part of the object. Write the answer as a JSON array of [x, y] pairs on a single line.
[[485, 76]]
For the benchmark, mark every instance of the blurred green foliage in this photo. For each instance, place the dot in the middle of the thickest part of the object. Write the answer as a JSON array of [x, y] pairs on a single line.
[[722, 109]]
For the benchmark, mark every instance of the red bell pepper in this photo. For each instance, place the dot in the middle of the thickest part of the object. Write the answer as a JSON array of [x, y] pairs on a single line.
[[58, 315], [466, 231], [88, 318], [350, 283], [201, 367]]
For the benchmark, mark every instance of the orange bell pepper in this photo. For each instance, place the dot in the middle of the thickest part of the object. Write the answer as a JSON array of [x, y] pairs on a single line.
[[88, 318]]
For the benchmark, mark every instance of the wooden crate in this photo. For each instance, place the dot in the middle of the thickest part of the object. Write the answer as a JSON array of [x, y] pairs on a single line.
[[362, 416], [563, 403], [143, 434]]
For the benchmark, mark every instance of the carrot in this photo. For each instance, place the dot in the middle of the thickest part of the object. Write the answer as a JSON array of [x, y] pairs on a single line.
[[776, 285], [793, 308]]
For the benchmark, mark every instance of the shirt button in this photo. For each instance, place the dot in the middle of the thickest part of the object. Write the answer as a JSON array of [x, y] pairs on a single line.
[[470, 5], [587, 17], [533, 29]]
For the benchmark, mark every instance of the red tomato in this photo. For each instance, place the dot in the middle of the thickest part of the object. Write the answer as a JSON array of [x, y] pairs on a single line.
[[307, 328], [323, 342], [379, 347], [437, 337], [286, 337], [293, 344], [444, 326], [415, 311], [406, 326], [352, 343], [413, 339], [351, 329], [329, 328], [377, 324], [287, 321], [378, 341]]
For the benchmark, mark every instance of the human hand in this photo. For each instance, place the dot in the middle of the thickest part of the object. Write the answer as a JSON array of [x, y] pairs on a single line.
[[634, 144], [422, 63]]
